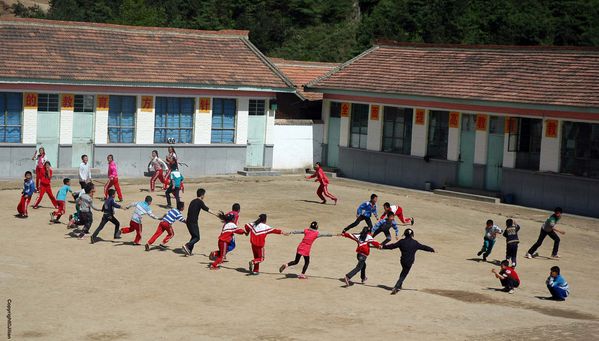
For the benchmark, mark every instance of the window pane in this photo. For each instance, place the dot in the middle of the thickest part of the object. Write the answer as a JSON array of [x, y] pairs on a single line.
[[335, 109], [185, 136], [127, 120], [127, 135], [186, 120]]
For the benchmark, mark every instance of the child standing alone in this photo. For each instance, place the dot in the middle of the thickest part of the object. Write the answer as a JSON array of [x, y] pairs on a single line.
[[512, 241], [303, 249], [26, 194]]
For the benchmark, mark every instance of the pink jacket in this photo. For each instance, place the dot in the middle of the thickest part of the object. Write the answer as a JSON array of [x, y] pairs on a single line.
[[112, 173], [310, 235]]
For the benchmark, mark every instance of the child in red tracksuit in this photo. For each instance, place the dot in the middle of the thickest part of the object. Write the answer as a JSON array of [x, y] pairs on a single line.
[[258, 231], [364, 240], [225, 238], [46, 186], [26, 194], [324, 184]]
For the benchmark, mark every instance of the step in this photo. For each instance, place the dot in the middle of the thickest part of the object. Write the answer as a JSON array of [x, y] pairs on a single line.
[[482, 192], [256, 169], [468, 196], [329, 174], [73, 173], [258, 173]]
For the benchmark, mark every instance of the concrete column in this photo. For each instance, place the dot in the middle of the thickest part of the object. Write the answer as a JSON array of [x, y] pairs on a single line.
[[325, 114], [270, 124], [144, 121], [550, 146], [202, 122], [241, 130], [375, 127], [481, 145], [453, 138], [509, 158], [29, 118], [67, 102], [419, 133]]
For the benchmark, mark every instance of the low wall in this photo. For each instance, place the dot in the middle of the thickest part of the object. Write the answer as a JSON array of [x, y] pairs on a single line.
[[293, 144]]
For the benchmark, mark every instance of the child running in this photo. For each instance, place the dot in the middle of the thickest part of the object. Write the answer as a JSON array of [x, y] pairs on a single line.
[[507, 276], [384, 225], [548, 229], [322, 178], [235, 209], [40, 162], [86, 204], [141, 208], [364, 240], [108, 216], [408, 247], [166, 224], [398, 211], [113, 178], [364, 211], [512, 241], [226, 236], [61, 198], [174, 186], [304, 247], [46, 186], [557, 285], [26, 194], [491, 232], [158, 166], [258, 231]]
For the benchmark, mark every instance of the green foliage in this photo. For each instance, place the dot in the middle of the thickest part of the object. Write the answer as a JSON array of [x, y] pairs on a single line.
[[336, 30]]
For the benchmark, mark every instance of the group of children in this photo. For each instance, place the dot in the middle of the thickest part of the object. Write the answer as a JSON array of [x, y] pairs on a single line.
[[508, 276], [258, 230]]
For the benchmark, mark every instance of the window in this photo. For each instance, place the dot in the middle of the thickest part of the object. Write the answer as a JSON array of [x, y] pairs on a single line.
[[121, 119], [525, 141], [580, 149], [47, 102], [359, 125], [84, 103], [496, 125], [224, 111], [335, 109], [257, 107], [11, 107], [173, 119], [438, 129], [397, 130]]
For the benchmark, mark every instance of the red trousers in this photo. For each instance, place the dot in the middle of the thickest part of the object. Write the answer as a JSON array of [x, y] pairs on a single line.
[[39, 173], [133, 227], [22, 207], [323, 189], [60, 211], [113, 181], [163, 226], [258, 252], [43, 190], [222, 252], [399, 215], [157, 175]]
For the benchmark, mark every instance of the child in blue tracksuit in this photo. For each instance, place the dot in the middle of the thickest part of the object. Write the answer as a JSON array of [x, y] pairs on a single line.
[[365, 210], [384, 225], [491, 232], [557, 285], [26, 194]]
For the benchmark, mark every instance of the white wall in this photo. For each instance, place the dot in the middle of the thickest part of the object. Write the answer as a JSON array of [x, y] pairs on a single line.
[[29, 124], [66, 123], [550, 149], [375, 130], [419, 136], [144, 123], [241, 130], [202, 131], [317, 141], [293, 146]]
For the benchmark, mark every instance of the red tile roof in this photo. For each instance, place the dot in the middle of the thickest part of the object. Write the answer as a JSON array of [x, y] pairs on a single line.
[[300, 73], [75, 52], [532, 75]]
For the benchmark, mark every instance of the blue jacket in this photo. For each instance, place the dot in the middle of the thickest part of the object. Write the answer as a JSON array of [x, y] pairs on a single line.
[[367, 209], [558, 282], [28, 188], [383, 224]]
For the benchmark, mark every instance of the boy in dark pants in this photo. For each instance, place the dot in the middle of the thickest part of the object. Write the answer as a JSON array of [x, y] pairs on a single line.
[[507, 276], [548, 229], [408, 247], [174, 186], [365, 210], [512, 241], [108, 216], [86, 204], [193, 214], [491, 232], [384, 225]]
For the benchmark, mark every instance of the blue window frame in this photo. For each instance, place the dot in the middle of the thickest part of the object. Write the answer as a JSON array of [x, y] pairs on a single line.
[[11, 107], [121, 119], [174, 119], [223, 120]]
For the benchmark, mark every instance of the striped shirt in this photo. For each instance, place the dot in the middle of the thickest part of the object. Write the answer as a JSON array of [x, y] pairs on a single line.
[[141, 208], [172, 216]]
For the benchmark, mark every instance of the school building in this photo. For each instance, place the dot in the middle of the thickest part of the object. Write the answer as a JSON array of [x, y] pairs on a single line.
[[519, 121], [98, 89]]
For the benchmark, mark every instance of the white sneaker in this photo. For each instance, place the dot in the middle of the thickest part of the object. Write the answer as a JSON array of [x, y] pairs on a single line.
[[528, 255], [511, 291]]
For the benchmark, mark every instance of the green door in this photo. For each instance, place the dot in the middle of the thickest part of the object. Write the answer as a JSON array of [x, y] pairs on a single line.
[[83, 129], [48, 130], [255, 143], [466, 159], [494, 153], [333, 142]]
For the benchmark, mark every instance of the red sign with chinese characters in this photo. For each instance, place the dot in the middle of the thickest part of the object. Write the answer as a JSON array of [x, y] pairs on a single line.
[[345, 107], [420, 116], [551, 128], [454, 119], [374, 112], [102, 104], [481, 122], [147, 103], [204, 104], [68, 102], [30, 100]]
